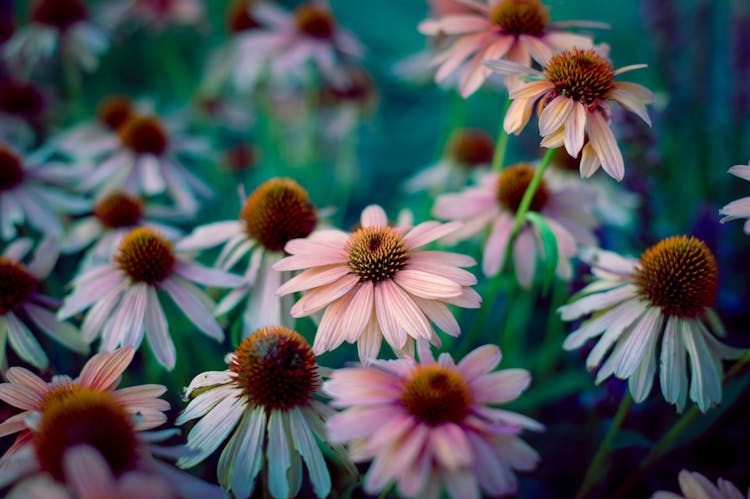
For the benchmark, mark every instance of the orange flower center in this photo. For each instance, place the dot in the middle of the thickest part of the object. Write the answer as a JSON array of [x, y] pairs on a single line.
[[512, 184], [144, 135], [240, 18], [119, 209], [471, 147], [114, 111], [60, 14], [277, 212], [582, 75], [276, 369], [678, 275], [517, 17], [11, 170], [241, 157], [145, 256], [314, 21], [16, 284], [85, 417], [376, 253], [20, 98], [436, 394]]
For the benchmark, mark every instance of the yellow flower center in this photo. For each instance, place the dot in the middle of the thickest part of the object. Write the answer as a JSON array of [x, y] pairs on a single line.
[[277, 212], [16, 284], [145, 256], [11, 170], [520, 17], [60, 14], [144, 135], [85, 417], [678, 275], [114, 111], [471, 147], [314, 21], [512, 184], [119, 209], [582, 75], [376, 253], [240, 18], [436, 394], [276, 369]]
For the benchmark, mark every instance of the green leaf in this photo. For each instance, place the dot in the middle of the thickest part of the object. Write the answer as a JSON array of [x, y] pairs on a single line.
[[549, 246]]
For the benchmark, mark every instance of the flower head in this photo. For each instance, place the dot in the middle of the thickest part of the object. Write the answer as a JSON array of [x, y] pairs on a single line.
[[664, 297], [376, 283], [494, 203], [573, 99], [741, 207], [696, 486], [516, 30], [429, 425], [265, 399]]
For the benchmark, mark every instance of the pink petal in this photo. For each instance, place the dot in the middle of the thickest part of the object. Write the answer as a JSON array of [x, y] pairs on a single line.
[[427, 232], [479, 361], [575, 130], [555, 114], [313, 278], [318, 298], [374, 216], [605, 145], [104, 369], [426, 285]]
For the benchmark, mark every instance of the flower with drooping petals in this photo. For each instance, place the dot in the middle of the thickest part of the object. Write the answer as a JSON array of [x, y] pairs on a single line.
[[516, 30], [32, 190], [24, 307], [376, 283], [430, 425], [276, 212], [741, 207], [265, 399], [664, 298], [696, 486], [573, 99], [122, 297], [494, 203]]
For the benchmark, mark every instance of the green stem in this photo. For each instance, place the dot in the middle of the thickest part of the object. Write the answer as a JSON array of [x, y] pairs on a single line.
[[387, 491], [592, 474], [550, 349], [501, 146], [476, 330]]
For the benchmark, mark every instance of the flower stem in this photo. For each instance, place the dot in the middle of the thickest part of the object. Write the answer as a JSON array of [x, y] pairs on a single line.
[[528, 196], [387, 491], [678, 427], [498, 157], [592, 474]]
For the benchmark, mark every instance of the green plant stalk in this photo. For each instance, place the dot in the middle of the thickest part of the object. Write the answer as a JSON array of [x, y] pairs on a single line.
[[387, 491], [501, 146], [592, 474]]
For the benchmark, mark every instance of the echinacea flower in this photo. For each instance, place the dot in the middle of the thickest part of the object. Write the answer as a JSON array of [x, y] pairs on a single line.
[[32, 190], [468, 150], [573, 97], [515, 30], [431, 425], [146, 156], [61, 26], [376, 283], [265, 400], [741, 207], [276, 212], [22, 109], [696, 486], [664, 298], [494, 203], [122, 295], [24, 307], [71, 415], [102, 372]]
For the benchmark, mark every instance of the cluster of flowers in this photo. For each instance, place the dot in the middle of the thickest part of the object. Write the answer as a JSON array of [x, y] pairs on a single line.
[[426, 424]]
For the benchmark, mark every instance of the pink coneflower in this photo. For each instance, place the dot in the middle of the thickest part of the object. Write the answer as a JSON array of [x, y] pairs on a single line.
[[123, 300], [741, 207], [468, 150], [276, 212], [572, 97], [23, 307], [60, 26], [145, 156], [102, 372], [290, 42], [31, 191], [265, 399], [516, 30], [696, 486], [22, 108], [494, 202], [376, 284], [664, 296], [431, 425]]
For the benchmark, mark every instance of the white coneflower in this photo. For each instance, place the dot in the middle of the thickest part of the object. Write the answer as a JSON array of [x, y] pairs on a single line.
[[741, 207]]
